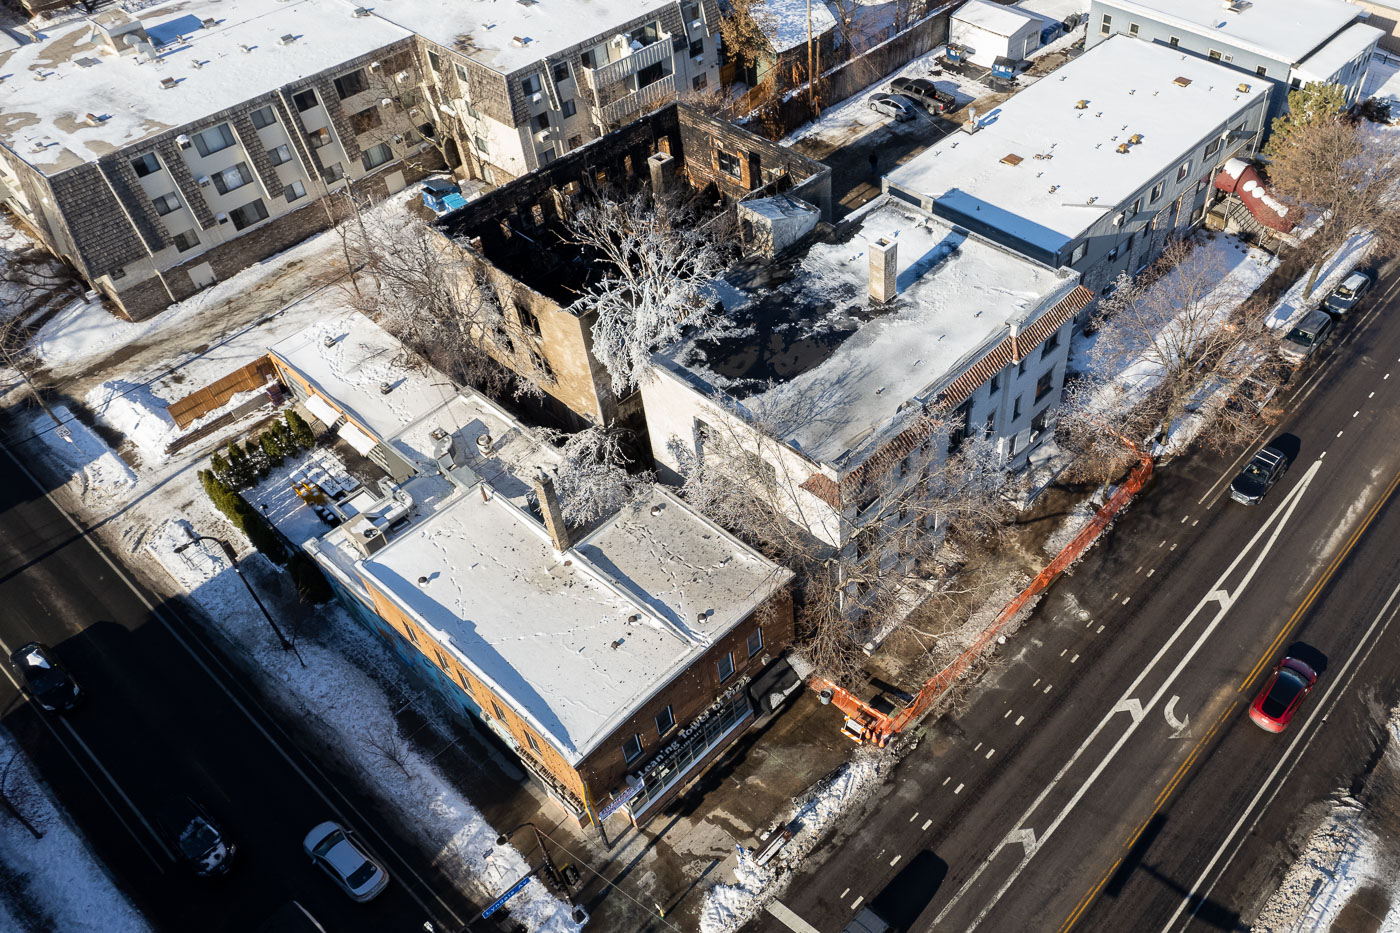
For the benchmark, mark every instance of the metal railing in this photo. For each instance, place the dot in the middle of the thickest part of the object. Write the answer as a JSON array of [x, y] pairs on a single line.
[[629, 64]]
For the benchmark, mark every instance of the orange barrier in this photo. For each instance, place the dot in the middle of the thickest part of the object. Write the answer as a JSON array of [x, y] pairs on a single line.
[[865, 724]]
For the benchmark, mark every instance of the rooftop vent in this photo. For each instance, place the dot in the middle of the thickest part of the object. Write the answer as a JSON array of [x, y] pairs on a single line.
[[520, 41], [87, 62], [1123, 147], [484, 444], [92, 119], [288, 39], [209, 23], [245, 48], [1242, 88], [360, 11], [1081, 105], [1235, 6], [1011, 158], [168, 82], [385, 388], [527, 2], [1135, 138], [1181, 82]]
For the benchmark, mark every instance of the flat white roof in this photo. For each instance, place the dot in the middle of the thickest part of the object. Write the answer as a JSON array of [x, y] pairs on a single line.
[[1283, 29], [487, 32], [360, 358], [957, 292], [786, 22], [574, 653], [995, 18], [1130, 88], [1357, 39], [52, 84]]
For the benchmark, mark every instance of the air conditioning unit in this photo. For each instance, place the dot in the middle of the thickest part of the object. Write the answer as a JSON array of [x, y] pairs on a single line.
[[386, 102], [397, 139], [221, 217], [1118, 220], [543, 135], [202, 181], [424, 146], [183, 141], [375, 66]]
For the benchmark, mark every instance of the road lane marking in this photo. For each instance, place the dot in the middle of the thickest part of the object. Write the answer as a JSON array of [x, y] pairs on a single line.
[[958, 789], [1178, 726], [1152, 571], [895, 861], [844, 893], [946, 780], [111, 779], [1127, 599], [1073, 659], [1064, 652], [927, 824], [1008, 714], [991, 752], [1048, 688], [1099, 631], [977, 747], [1339, 433], [1355, 413], [854, 904], [1020, 719], [1277, 522], [914, 817]]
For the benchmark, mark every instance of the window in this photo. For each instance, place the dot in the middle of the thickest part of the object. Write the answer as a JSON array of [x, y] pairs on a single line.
[[212, 140], [699, 82], [1107, 25], [632, 749], [728, 164], [989, 427], [412, 635], [281, 154], [482, 146], [646, 34], [1044, 384], [575, 142], [1016, 408], [756, 642], [304, 100], [697, 48], [1213, 55], [434, 61], [166, 203], [1078, 253], [334, 172], [725, 667], [665, 721], [462, 679], [147, 164], [232, 178], [1112, 254], [1021, 368], [185, 241], [1050, 343], [1137, 206], [1213, 147], [1183, 170], [295, 191], [1041, 421], [376, 156], [691, 12], [541, 121], [1157, 191], [994, 384], [262, 117], [1261, 71], [545, 156], [351, 84], [320, 138], [530, 84], [1132, 29], [497, 710], [568, 108], [248, 214], [529, 321], [561, 72], [1296, 83], [1173, 41], [530, 741], [586, 58], [365, 120]]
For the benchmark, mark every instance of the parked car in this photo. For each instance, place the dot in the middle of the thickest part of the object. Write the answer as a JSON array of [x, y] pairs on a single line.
[[892, 105], [1349, 294], [46, 681], [332, 848], [196, 838], [441, 196], [1299, 344], [1258, 476], [924, 92], [1283, 693]]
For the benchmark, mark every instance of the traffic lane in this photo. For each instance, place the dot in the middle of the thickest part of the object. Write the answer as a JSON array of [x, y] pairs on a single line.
[[1336, 733]]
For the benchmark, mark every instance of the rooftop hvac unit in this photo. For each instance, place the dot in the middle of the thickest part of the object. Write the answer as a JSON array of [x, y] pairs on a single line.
[[364, 535], [360, 11], [288, 39]]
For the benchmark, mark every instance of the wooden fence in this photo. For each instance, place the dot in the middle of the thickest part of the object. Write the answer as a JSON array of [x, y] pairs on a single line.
[[255, 375]]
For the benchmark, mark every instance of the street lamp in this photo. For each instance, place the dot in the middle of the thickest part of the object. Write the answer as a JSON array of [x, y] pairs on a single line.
[[579, 914], [233, 561]]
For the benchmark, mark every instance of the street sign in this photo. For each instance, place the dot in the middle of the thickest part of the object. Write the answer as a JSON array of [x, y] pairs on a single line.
[[63, 432], [631, 791], [496, 904]]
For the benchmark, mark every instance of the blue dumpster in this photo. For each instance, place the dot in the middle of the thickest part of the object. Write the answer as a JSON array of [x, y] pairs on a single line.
[[442, 196]]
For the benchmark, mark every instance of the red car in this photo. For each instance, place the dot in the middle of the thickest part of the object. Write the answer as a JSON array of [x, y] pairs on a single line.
[[1282, 694]]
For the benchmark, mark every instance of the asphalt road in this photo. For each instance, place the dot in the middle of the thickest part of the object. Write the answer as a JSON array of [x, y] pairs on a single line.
[[1106, 775], [166, 715]]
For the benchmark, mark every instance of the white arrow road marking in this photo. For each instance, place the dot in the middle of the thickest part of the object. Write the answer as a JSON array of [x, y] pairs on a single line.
[[1132, 707], [1178, 725], [1277, 521]]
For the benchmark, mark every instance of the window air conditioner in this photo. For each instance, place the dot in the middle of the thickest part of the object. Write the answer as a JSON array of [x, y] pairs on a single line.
[[202, 181], [221, 218], [397, 139], [183, 141], [386, 102], [402, 76], [375, 66]]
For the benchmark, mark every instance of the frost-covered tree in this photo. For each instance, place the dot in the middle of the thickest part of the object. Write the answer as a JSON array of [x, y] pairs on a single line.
[[655, 257], [743, 31], [593, 480]]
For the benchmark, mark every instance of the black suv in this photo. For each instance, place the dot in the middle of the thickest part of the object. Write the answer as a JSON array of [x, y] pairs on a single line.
[[925, 92], [1258, 476], [45, 680], [196, 838]]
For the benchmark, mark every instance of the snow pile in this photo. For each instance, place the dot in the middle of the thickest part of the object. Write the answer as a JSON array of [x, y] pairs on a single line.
[[99, 474], [1070, 526], [1294, 304], [53, 883], [728, 907], [135, 411], [357, 718]]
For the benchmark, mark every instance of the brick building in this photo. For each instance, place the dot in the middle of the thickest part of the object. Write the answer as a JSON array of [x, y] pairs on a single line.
[[517, 234]]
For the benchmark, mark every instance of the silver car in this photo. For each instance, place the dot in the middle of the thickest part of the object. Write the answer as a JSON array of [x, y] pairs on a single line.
[[332, 848], [892, 105], [1299, 344]]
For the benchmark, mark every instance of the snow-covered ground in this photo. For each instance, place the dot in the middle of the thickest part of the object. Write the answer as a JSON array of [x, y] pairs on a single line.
[[55, 882]]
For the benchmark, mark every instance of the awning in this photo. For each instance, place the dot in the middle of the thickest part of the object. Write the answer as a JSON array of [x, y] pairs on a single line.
[[357, 439], [323, 410]]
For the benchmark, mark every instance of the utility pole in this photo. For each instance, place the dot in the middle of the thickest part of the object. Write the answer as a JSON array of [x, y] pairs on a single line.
[[233, 562], [811, 68]]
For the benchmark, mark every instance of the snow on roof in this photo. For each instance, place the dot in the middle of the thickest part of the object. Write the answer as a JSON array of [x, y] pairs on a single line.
[[360, 359], [1057, 10], [995, 18], [52, 84], [1286, 30], [573, 653], [1354, 41], [1131, 88], [486, 32], [784, 22], [832, 372]]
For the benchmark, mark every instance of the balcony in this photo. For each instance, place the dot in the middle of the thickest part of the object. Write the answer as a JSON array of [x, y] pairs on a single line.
[[619, 110], [629, 64]]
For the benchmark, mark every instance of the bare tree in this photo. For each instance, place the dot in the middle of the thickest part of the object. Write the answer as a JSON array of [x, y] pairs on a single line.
[[655, 256], [388, 746], [743, 30], [889, 521], [1345, 171], [593, 480], [1165, 341]]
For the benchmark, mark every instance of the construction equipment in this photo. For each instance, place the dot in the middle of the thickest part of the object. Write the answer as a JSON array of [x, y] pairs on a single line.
[[868, 726]]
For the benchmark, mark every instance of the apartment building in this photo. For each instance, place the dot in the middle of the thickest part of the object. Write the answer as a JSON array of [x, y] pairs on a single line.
[[526, 82], [161, 152], [1287, 43], [1093, 167]]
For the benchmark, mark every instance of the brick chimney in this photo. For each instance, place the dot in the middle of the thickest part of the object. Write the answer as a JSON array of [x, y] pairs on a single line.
[[663, 173], [553, 515], [883, 270]]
